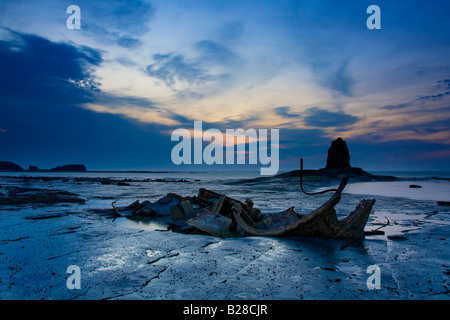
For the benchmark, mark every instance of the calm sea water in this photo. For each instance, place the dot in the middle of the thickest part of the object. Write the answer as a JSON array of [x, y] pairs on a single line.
[[414, 174], [205, 174], [431, 188], [220, 175]]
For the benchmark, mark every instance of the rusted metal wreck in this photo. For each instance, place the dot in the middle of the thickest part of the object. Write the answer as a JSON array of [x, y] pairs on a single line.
[[221, 216]]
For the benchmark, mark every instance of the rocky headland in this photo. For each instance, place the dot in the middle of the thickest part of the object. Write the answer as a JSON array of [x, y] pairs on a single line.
[[8, 166], [337, 167]]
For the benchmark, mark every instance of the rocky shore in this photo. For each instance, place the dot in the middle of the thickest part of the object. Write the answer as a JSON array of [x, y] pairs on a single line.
[[20, 195], [119, 259], [106, 227], [320, 177]]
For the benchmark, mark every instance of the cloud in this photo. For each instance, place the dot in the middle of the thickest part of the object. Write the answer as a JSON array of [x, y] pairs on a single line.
[[188, 94], [396, 106], [45, 93], [440, 91], [231, 31], [215, 52], [316, 117], [35, 65], [128, 42], [173, 67], [339, 80], [443, 87], [285, 112], [142, 115], [445, 82], [117, 21], [194, 78], [136, 108], [245, 122], [330, 66], [431, 131], [435, 96], [113, 101]]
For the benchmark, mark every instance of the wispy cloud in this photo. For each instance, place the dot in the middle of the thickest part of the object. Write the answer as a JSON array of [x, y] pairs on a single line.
[[117, 21], [316, 117], [230, 32], [174, 67], [143, 115], [215, 52], [338, 79], [441, 89], [396, 106], [206, 72], [444, 83], [435, 96], [285, 112], [113, 101]]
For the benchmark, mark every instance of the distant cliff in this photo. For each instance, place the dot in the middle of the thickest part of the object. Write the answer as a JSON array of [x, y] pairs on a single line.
[[9, 166]]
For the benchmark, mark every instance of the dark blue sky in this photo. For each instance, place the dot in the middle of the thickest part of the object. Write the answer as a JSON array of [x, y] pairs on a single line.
[[110, 94]]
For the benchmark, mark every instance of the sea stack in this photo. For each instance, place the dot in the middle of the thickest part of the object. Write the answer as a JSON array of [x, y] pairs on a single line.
[[338, 155]]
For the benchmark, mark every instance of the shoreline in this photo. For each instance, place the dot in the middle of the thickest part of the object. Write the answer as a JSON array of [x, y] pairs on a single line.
[[281, 173]]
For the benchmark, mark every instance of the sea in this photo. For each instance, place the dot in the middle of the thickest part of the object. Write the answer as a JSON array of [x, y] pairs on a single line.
[[433, 185]]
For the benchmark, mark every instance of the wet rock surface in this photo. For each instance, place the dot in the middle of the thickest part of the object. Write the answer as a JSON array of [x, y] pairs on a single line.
[[24, 195], [38, 242]]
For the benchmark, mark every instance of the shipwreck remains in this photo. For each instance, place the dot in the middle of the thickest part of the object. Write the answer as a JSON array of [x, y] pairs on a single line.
[[322, 222], [218, 215], [221, 216]]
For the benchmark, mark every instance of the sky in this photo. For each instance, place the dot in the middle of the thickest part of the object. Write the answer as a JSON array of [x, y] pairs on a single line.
[[110, 94]]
